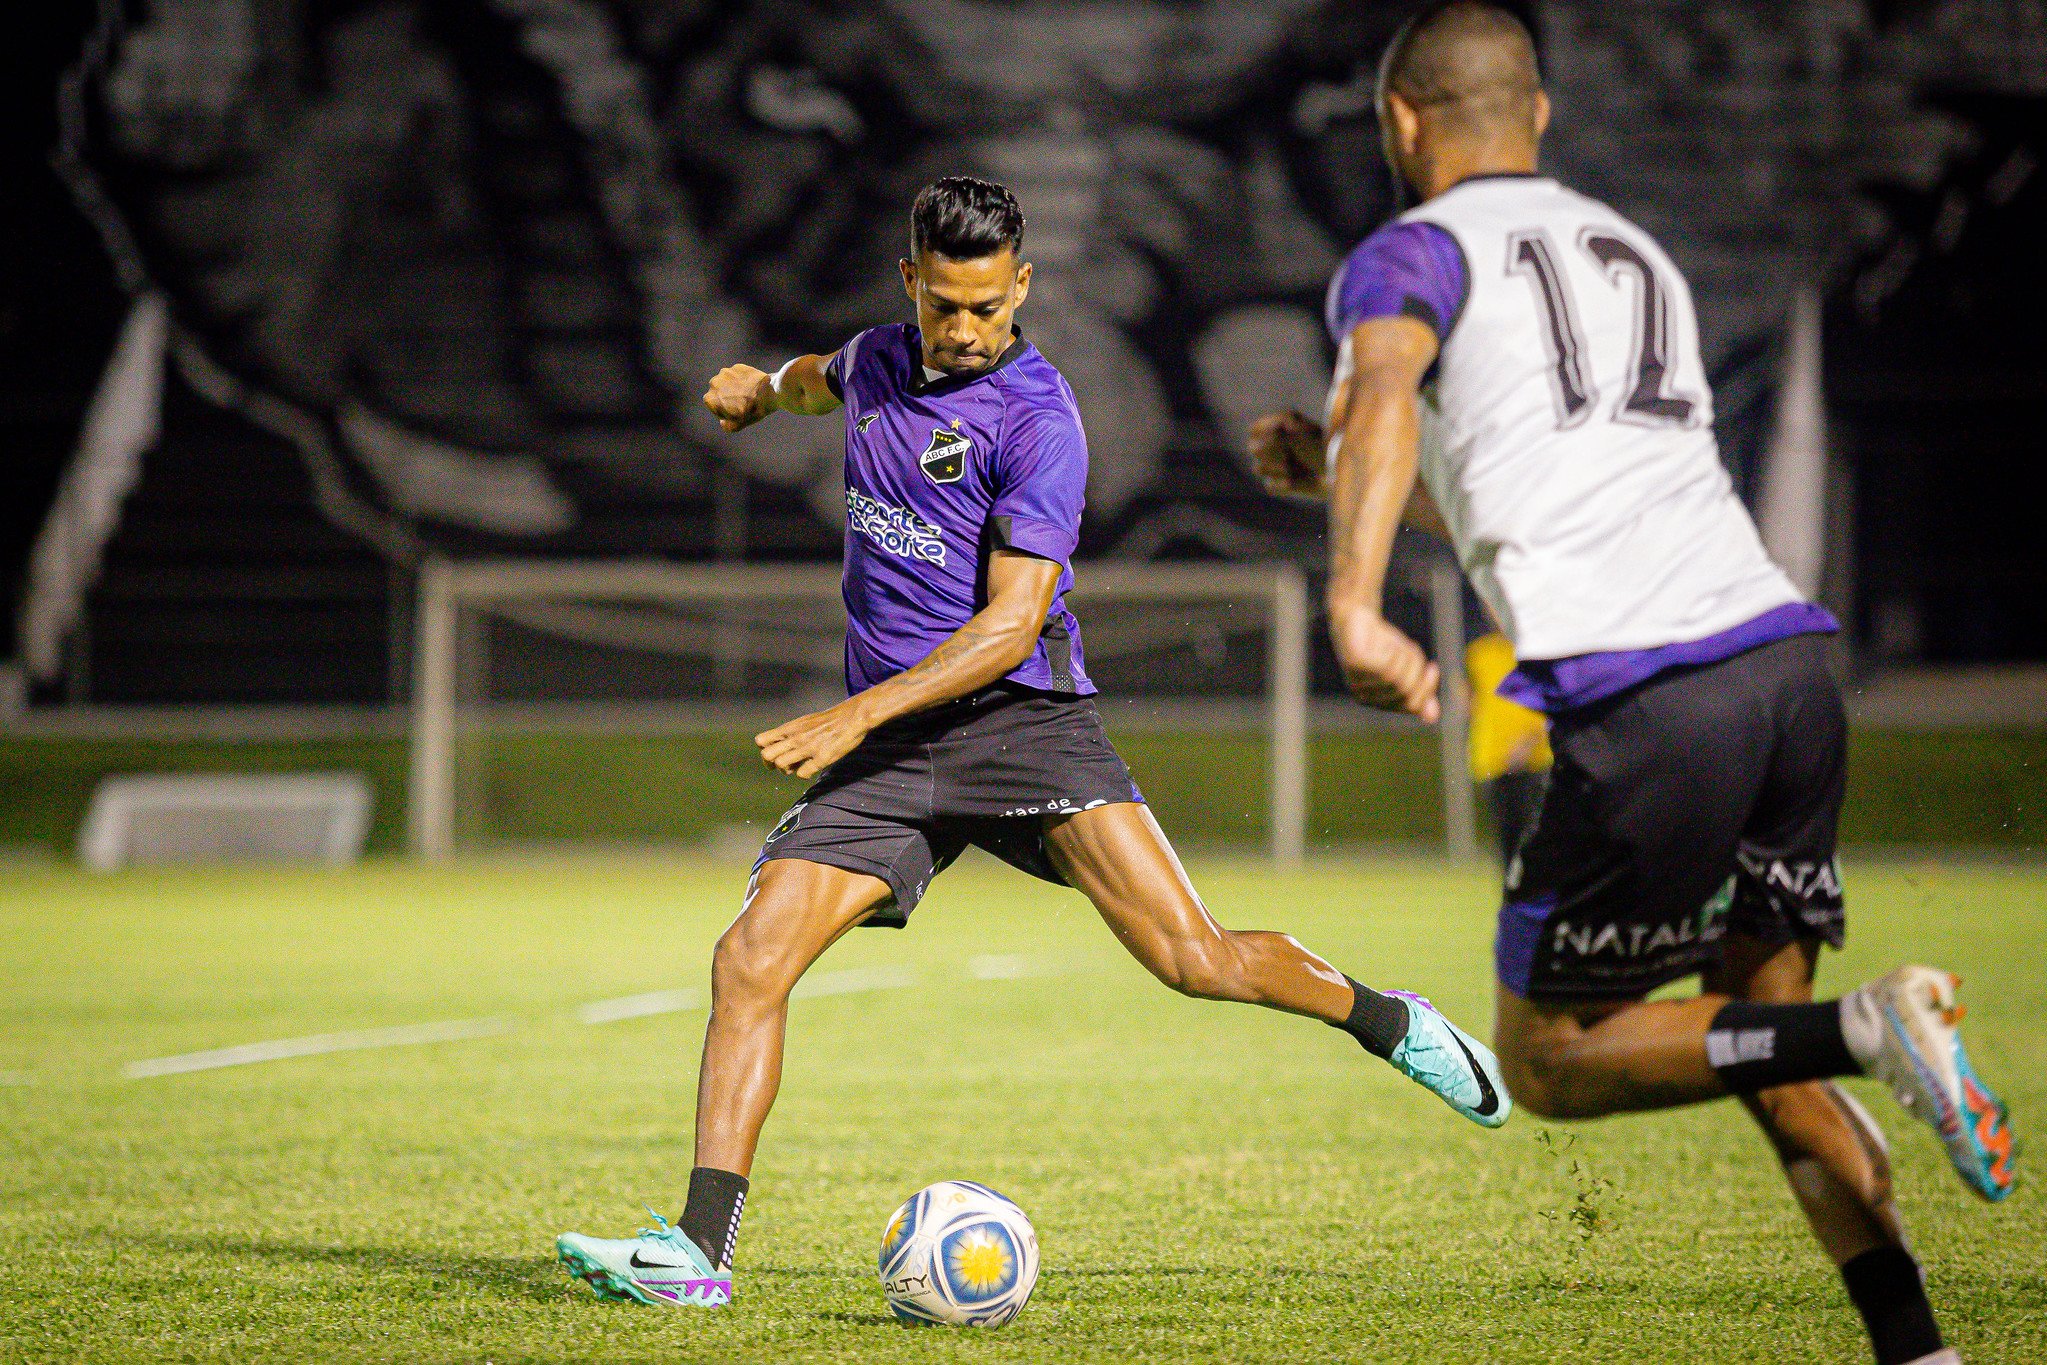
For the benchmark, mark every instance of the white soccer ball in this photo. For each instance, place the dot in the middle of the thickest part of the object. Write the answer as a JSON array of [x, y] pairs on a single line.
[[957, 1252]]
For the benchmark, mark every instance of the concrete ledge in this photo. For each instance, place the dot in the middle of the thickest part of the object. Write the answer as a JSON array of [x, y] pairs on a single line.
[[2000, 697]]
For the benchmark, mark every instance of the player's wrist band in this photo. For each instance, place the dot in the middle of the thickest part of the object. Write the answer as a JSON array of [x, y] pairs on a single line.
[[775, 379]]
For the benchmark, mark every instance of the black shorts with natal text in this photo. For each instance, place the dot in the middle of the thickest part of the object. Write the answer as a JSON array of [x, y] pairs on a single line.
[[986, 769], [1702, 803]]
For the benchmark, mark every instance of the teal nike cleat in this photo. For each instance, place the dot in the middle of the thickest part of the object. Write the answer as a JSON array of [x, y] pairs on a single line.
[[1460, 1069], [660, 1265]]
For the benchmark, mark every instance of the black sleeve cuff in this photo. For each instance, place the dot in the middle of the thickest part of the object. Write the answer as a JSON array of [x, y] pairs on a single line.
[[1413, 306]]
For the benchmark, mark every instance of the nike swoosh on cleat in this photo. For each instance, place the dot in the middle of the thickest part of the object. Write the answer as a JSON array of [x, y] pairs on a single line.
[[637, 1264], [1488, 1102]]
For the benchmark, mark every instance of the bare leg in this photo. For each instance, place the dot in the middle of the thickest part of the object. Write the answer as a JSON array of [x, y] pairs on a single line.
[[1579, 1060], [1575, 1059], [1118, 857], [794, 910], [1832, 1151]]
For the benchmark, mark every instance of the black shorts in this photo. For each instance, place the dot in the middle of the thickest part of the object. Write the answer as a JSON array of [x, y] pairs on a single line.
[[985, 770], [1702, 803]]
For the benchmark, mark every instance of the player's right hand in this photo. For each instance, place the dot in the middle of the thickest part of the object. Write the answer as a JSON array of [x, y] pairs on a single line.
[[1383, 668], [1288, 455], [739, 396]]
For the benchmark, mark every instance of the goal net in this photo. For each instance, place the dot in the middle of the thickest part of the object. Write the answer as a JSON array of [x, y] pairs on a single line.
[[515, 659]]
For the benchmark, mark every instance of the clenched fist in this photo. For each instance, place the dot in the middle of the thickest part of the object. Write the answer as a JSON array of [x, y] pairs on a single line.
[[1383, 668], [1288, 456], [739, 396]]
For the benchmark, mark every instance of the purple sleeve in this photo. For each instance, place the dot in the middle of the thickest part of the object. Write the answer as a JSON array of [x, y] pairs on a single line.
[[1406, 269], [1040, 483]]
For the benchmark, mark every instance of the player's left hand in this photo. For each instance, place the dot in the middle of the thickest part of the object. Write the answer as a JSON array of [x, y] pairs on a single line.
[[1383, 668], [807, 745], [1288, 457]]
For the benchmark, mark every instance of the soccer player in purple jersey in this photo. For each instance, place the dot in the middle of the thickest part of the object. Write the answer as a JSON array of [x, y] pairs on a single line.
[[969, 721], [1534, 358]]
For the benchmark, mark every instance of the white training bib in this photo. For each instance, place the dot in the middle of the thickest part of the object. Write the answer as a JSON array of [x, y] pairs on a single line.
[[1567, 434]]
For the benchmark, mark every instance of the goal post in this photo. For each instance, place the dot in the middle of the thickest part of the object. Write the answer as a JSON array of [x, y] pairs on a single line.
[[1446, 621], [559, 596], [1284, 592]]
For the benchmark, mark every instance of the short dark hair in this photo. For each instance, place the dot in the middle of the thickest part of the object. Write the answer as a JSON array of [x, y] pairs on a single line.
[[963, 219], [1472, 59]]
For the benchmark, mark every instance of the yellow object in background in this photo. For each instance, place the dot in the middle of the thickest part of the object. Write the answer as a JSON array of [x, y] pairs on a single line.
[[1506, 737]]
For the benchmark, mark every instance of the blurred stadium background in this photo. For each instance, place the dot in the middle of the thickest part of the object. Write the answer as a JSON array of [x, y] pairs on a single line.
[[303, 298]]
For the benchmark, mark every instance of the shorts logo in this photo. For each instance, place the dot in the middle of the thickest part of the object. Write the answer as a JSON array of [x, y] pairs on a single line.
[[866, 422], [1715, 910], [1058, 805], [1631, 941], [1804, 883], [896, 529], [788, 822], [945, 459]]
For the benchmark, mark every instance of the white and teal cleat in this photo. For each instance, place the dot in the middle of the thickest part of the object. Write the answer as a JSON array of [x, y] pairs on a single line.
[[1921, 1058], [1460, 1069], [660, 1265]]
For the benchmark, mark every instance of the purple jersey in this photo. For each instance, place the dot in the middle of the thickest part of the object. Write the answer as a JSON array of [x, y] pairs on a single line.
[[939, 473]]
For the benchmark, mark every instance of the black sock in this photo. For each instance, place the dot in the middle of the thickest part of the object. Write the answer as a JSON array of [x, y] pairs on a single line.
[[1890, 1294], [1754, 1047], [711, 1217], [1378, 1021]]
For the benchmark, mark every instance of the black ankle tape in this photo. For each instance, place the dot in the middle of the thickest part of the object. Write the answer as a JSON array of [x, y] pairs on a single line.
[[711, 1217], [1753, 1047], [1377, 1021]]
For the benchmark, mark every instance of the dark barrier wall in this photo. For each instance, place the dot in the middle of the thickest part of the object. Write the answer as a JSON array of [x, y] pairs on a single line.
[[493, 248]]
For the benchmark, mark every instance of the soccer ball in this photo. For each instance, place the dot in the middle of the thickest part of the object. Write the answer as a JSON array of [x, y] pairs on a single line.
[[959, 1253]]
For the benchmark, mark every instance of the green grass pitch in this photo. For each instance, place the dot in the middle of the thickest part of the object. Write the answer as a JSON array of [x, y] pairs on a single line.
[[1209, 1182]]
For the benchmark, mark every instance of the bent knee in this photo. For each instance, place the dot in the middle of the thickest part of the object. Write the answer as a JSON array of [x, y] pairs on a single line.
[[1545, 1082], [748, 968], [1534, 1091]]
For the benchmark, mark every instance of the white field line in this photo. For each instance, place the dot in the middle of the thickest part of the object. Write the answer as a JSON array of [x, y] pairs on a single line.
[[639, 1006], [403, 1035], [854, 980]]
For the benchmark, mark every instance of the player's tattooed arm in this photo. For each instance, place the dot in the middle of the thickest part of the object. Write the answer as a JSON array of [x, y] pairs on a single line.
[[1374, 458], [991, 644], [741, 395]]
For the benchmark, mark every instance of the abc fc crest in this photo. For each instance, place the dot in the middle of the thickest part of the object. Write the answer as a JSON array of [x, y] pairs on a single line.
[[945, 459]]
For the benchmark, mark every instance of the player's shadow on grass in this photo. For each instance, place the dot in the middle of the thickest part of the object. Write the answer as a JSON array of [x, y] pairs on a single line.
[[512, 1277]]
